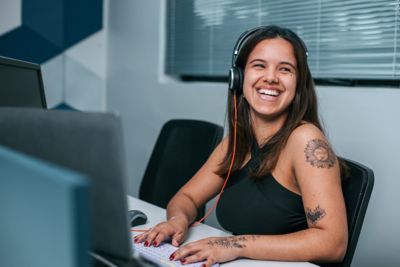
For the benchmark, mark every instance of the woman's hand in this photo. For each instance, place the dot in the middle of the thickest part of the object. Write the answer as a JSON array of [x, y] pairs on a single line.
[[211, 250], [175, 228]]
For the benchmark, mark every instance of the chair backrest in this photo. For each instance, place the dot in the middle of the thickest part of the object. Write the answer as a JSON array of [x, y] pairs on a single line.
[[180, 150], [357, 189]]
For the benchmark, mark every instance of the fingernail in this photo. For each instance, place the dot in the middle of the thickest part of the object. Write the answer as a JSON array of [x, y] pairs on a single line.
[[171, 258], [146, 244], [183, 260], [155, 244], [135, 240], [203, 265]]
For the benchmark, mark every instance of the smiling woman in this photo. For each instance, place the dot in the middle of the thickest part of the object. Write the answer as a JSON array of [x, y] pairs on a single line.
[[282, 195]]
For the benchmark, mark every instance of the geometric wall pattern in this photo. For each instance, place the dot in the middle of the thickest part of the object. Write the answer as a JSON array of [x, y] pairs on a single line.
[[68, 39]]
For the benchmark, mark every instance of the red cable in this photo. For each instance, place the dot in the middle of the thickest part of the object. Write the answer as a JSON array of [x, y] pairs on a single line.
[[230, 167]]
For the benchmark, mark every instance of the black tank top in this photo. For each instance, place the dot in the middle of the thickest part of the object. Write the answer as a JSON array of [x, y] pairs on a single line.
[[259, 207]]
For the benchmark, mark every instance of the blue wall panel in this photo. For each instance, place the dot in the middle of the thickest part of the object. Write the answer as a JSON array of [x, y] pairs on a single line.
[[46, 17], [25, 44], [51, 26], [82, 18]]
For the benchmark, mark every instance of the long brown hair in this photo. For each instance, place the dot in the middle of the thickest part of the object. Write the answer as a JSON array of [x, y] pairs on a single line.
[[303, 108]]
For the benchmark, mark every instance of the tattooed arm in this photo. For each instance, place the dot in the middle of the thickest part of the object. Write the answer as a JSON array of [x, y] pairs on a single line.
[[315, 170], [317, 174]]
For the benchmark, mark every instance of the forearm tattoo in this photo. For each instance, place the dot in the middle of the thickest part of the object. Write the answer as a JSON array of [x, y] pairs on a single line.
[[254, 237], [319, 154], [315, 215], [229, 242]]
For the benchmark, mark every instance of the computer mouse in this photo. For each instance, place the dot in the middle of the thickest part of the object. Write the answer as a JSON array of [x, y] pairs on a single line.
[[136, 217]]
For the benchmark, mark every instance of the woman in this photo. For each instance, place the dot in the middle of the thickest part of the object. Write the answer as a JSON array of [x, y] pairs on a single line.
[[283, 200]]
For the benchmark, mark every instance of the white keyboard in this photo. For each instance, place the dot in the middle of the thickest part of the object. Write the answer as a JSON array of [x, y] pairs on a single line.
[[160, 255]]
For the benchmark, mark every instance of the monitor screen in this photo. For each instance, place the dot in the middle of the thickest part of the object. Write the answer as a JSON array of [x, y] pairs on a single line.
[[44, 213], [21, 84]]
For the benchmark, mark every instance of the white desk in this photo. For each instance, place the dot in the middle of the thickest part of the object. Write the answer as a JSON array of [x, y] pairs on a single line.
[[156, 214]]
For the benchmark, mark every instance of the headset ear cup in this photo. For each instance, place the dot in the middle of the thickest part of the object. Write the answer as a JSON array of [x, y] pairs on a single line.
[[239, 89], [235, 79]]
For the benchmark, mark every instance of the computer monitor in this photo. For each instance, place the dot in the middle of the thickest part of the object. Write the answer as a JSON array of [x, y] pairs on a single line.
[[21, 84], [44, 213], [90, 143]]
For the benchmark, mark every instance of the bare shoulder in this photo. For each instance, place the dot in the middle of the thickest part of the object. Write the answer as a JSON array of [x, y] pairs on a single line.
[[304, 132], [309, 143]]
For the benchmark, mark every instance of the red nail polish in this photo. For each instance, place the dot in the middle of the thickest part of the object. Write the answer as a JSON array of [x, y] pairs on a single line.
[[171, 258], [155, 244], [203, 265], [146, 244], [183, 260]]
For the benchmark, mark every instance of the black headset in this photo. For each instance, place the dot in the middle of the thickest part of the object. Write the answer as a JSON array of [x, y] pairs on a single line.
[[235, 78]]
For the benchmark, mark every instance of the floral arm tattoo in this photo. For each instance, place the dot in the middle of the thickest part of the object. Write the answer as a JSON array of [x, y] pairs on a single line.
[[232, 241], [319, 154], [315, 215]]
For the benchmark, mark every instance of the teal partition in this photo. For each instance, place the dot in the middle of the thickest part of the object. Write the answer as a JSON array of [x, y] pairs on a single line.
[[44, 213]]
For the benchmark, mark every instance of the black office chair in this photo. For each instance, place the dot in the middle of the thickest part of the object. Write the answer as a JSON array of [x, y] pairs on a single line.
[[357, 189], [181, 149]]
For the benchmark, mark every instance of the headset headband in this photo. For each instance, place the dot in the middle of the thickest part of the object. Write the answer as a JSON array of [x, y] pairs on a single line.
[[244, 37], [241, 40]]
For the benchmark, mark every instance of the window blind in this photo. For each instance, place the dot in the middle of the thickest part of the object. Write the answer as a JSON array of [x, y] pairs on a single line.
[[346, 39]]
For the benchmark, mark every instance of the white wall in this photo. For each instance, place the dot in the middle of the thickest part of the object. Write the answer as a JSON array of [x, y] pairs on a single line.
[[362, 123], [10, 15]]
